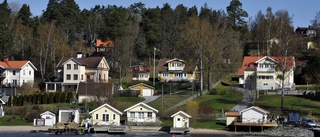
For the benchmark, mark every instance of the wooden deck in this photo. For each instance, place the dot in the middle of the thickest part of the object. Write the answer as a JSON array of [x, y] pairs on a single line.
[[110, 129], [262, 125]]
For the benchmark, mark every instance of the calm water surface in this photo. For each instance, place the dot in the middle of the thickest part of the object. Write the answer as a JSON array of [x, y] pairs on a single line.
[[112, 135]]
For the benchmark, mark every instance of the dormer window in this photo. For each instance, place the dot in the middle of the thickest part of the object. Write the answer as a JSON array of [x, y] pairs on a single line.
[[179, 65]]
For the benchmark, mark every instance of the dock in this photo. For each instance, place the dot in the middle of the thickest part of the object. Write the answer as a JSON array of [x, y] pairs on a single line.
[[67, 127], [177, 130], [110, 129]]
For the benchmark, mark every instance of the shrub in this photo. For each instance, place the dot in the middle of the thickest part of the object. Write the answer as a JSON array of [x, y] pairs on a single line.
[[70, 97], [51, 98], [57, 97], [34, 99], [45, 98], [63, 97], [39, 98]]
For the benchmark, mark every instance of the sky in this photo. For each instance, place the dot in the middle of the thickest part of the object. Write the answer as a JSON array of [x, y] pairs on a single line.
[[301, 11]]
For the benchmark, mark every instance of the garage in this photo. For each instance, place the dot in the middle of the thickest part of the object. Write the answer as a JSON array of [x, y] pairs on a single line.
[[147, 92]]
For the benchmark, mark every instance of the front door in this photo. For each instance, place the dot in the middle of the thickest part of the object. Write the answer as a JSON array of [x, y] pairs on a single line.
[[140, 117], [105, 119], [178, 122]]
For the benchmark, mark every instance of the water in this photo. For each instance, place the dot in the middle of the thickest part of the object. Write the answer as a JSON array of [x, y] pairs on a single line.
[[113, 135]]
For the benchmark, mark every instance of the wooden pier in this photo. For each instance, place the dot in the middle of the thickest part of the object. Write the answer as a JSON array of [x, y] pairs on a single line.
[[110, 129], [67, 127], [177, 130]]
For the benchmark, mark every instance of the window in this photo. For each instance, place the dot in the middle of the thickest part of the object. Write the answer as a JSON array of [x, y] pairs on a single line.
[[14, 72], [97, 116], [68, 66], [105, 117], [260, 65], [149, 114], [179, 65], [165, 74], [75, 76], [24, 72], [104, 77], [75, 66], [172, 64], [267, 65], [81, 76], [132, 115], [68, 77], [114, 117], [30, 72]]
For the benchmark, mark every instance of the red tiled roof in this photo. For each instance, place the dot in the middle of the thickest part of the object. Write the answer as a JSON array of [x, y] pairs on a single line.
[[108, 43], [13, 63], [251, 61], [91, 88]]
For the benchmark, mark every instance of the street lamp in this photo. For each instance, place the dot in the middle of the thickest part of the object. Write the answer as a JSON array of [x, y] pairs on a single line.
[[154, 64]]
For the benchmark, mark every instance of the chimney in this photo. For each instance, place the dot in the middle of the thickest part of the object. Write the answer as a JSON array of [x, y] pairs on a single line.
[[5, 59], [79, 54]]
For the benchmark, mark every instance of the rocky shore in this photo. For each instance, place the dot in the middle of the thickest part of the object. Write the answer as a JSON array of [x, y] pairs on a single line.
[[283, 132]]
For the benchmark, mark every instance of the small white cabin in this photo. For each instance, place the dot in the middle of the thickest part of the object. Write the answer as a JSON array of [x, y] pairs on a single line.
[[181, 120], [253, 114], [49, 118]]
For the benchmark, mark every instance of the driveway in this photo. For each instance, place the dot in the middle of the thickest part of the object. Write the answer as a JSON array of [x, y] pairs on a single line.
[[149, 98]]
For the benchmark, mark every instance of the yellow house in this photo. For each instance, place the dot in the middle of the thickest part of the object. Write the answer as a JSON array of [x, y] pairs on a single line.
[[181, 120], [105, 115], [141, 113], [145, 90], [177, 70]]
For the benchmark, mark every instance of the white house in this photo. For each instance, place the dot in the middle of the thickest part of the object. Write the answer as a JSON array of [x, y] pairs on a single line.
[[69, 115], [16, 73], [140, 113], [73, 70], [265, 72], [253, 114], [181, 119], [49, 118], [105, 115]]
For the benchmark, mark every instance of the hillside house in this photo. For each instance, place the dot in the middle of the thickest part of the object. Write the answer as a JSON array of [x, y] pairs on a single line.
[[140, 72], [177, 70], [15, 73], [73, 70], [103, 45], [264, 72]]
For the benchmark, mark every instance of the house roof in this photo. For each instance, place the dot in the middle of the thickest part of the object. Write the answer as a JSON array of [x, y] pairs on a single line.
[[251, 62], [181, 112], [140, 84], [163, 65], [232, 114], [106, 105], [47, 112], [257, 108], [15, 64], [143, 104], [89, 88], [107, 43], [90, 62]]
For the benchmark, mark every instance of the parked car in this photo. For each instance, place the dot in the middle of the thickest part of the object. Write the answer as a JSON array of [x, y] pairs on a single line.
[[308, 122]]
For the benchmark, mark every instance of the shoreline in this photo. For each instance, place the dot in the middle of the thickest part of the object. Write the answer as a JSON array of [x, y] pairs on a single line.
[[28, 129]]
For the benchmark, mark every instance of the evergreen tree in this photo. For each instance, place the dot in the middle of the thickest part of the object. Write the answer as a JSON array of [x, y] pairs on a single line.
[[6, 41], [25, 15]]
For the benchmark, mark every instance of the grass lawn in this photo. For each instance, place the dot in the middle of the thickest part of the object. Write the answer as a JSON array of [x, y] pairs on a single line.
[[12, 120], [297, 104], [218, 125], [220, 102], [170, 100]]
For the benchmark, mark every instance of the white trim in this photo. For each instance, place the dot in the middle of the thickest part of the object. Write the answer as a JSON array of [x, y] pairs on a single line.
[[107, 106], [141, 103]]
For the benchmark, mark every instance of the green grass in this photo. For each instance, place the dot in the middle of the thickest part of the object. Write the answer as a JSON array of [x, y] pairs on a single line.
[[218, 125], [310, 87], [220, 102], [170, 100], [12, 120], [298, 104], [123, 103]]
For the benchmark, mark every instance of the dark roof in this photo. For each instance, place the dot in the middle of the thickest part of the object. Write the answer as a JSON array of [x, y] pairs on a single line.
[[90, 62], [163, 66], [91, 87]]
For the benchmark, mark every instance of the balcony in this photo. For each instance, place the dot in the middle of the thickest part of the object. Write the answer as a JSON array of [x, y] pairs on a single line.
[[266, 70]]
